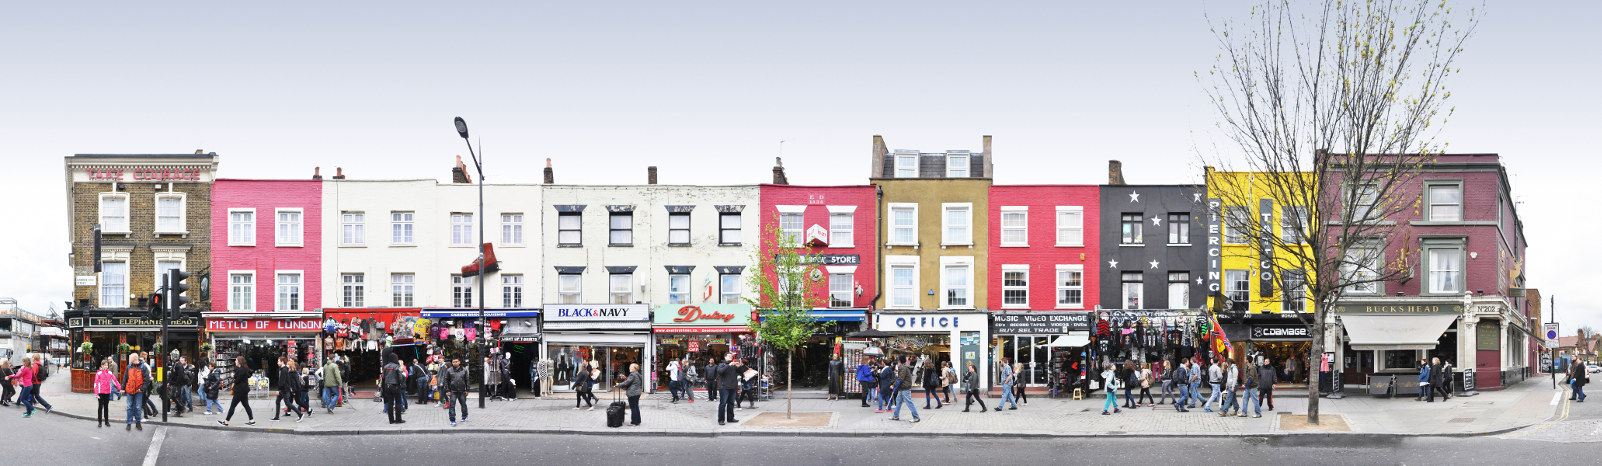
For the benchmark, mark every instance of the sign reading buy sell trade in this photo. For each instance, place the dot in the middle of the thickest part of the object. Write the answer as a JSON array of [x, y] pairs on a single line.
[[593, 312]]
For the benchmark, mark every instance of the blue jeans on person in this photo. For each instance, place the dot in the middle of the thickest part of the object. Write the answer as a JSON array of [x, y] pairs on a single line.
[[886, 399], [26, 398], [1217, 394], [1229, 400], [674, 387], [1252, 400], [1195, 392], [904, 398], [1006, 395], [726, 404], [458, 398], [403, 403], [1184, 394], [1579, 392], [211, 402], [329, 395], [136, 408]]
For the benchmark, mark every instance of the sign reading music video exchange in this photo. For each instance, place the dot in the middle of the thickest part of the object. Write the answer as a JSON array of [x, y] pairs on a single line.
[[1039, 322]]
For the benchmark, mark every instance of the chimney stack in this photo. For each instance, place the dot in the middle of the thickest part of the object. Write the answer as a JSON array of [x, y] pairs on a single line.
[[317, 173], [459, 172], [200, 151], [550, 176], [778, 171], [1115, 173], [650, 174], [876, 168], [339, 173]]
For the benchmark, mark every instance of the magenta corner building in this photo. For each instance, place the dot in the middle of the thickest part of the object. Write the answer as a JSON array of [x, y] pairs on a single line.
[[266, 285]]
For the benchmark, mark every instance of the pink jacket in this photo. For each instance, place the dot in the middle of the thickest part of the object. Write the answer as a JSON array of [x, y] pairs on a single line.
[[106, 383], [24, 377]]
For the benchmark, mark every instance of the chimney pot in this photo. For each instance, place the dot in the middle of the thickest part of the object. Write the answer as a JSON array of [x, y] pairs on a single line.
[[317, 173], [550, 175], [1115, 172], [650, 175], [339, 173], [200, 151], [778, 171]]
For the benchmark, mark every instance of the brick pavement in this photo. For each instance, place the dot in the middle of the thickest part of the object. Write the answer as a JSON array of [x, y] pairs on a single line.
[[1491, 412]]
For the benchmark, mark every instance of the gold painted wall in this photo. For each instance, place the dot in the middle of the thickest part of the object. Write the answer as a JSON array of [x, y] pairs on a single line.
[[929, 195]]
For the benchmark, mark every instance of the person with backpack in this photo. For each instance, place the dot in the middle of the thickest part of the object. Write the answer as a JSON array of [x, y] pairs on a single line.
[[419, 382], [332, 380], [134, 382], [1181, 377], [1110, 377], [24, 380], [1128, 379], [1147, 377], [1164, 376], [41, 372], [178, 388], [1008, 378], [887, 381], [392, 379], [290, 387], [241, 390], [903, 388], [931, 385], [970, 388], [866, 380], [212, 387], [690, 379], [948, 377], [454, 382]]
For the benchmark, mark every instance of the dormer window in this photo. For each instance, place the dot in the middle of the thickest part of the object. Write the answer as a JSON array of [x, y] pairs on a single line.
[[906, 165], [957, 165]]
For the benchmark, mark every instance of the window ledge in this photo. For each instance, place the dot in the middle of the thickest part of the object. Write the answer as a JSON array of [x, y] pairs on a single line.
[[1179, 245], [242, 245], [956, 308], [173, 233], [289, 245], [678, 245], [620, 245], [1081, 306], [1070, 245], [729, 244], [509, 245], [461, 245], [955, 245], [570, 245], [353, 245], [841, 246], [1135, 245], [404, 245], [1015, 245], [1016, 306], [122, 233]]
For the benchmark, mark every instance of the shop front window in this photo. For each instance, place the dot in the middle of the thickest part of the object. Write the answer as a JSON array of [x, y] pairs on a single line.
[[1029, 351], [612, 361]]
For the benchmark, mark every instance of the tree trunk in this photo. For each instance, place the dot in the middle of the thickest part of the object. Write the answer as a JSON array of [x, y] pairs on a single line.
[[789, 381], [1315, 359]]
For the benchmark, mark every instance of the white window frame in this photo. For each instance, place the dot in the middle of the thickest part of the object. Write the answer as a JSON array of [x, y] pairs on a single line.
[[890, 223], [1061, 286], [724, 230], [678, 289], [160, 272], [842, 236], [352, 228], [577, 233], [675, 229], [295, 239], [1289, 294], [127, 222], [948, 239], [248, 304], [1014, 268], [183, 214], [966, 265], [353, 293], [1178, 290], [612, 231], [1241, 225], [1430, 186], [403, 293], [1352, 271], [1078, 229], [297, 301], [892, 263], [1021, 230], [906, 164], [1289, 230], [792, 237], [246, 228], [512, 229], [1233, 289], [1457, 268], [461, 231], [728, 294], [573, 294], [626, 293], [1367, 201], [1123, 291], [127, 288], [958, 159], [1174, 227], [405, 226], [842, 279], [512, 291], [462, 290]]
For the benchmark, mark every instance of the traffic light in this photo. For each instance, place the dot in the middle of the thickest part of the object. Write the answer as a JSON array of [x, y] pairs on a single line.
[[177, 287], [157, 305]]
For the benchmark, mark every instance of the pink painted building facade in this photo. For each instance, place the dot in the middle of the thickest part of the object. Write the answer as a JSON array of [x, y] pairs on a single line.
[[267, 243], [1043, 280], [839, 225]]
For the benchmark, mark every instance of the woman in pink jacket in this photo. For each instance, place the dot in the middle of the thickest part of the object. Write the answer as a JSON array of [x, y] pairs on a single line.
[[105, 385], [24, 381]]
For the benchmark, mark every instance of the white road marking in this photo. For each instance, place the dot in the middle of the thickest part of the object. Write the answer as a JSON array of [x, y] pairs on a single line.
[[1556, 397], [155, 446]]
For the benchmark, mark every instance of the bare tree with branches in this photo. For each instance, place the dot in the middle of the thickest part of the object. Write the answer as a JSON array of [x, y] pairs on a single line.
[[1333, 113]]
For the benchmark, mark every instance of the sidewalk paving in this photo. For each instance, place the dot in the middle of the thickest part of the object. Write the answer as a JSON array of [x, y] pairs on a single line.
[[1489, 413]]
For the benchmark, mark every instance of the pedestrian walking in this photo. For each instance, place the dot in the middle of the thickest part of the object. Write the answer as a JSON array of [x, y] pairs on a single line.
[[1231, 383], [105, 386], [1020, 395], [41, 371], [23, 378], [970, 388], [1580, 378], [1423, 380], [332, 380], [1444, 384], [241, 391], [1194, 370], [1266, 378], [887, 386], [690, 379], [211, 387], [137, 378], [634, 386], [1215, 380], [9, 389], [750, 382], [177, 388], [1251, 383], [1110, 378], [392, 380], [581, 385], [1181, 377], [903, 387], [453, 380], [865, 378], [1146, 379], [727, 374], [281, 401], [1164, 376], [1129, 378], [1436, 377], [290, 387], [931, 385], [948, 377], [1008, 377], [675, 379]]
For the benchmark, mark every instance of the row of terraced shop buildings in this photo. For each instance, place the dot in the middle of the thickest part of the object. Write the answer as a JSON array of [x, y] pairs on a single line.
[[928, 249]]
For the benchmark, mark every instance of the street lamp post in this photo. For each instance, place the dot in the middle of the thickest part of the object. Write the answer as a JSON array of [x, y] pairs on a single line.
[[478, 166]]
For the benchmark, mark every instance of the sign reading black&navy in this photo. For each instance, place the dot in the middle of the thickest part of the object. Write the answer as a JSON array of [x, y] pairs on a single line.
[[1265, 268]]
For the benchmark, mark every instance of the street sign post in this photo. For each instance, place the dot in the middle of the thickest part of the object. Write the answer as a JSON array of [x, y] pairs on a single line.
[[1550, 331]]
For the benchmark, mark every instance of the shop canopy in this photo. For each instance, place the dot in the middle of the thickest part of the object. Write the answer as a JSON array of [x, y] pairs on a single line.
[[1396, 332], [1071, 340]]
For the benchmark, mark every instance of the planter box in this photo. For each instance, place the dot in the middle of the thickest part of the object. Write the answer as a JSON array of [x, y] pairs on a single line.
[[83, 381]]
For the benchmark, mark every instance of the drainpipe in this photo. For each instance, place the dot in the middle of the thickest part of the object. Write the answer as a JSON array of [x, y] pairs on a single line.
[[878, 276]]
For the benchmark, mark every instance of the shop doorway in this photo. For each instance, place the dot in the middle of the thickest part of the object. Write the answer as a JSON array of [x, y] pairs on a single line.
[[1281, 353], [522, 362], [1356, 368], [1032, 352]]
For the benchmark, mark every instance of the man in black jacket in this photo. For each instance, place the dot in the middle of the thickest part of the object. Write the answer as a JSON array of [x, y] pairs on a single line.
[[177, 388], [727, 374]]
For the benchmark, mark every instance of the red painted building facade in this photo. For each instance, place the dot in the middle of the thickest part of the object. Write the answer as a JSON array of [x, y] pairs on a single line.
[[1044, 245], [266, 269]]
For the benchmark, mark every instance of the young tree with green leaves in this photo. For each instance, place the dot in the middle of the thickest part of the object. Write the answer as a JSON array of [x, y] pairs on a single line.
[[786, 292]]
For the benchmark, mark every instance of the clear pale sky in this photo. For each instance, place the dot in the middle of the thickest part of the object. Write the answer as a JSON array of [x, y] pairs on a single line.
[[706, 90]]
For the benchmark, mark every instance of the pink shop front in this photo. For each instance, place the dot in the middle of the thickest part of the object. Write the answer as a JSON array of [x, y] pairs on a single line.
[[262, 340]]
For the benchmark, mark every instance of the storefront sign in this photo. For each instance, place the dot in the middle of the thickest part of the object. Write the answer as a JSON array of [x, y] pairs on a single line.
[[705, 314], [1269, 333], [594, 312], [1400, 308], [701, 330], [929, 321], [1265, 267], [1039, 323], [153, 324], [1215, 245], [1488, 335], [1119, 314], [264, 325], [143, 174], [831, 259], [473, 313]]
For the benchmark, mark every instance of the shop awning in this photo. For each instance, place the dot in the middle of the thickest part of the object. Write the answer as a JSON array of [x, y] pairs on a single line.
[[1071, 340], [841, 315], [462, 313], [1396, 332]]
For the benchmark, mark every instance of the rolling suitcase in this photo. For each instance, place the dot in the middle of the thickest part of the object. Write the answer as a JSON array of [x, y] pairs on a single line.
[[614, 412]]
